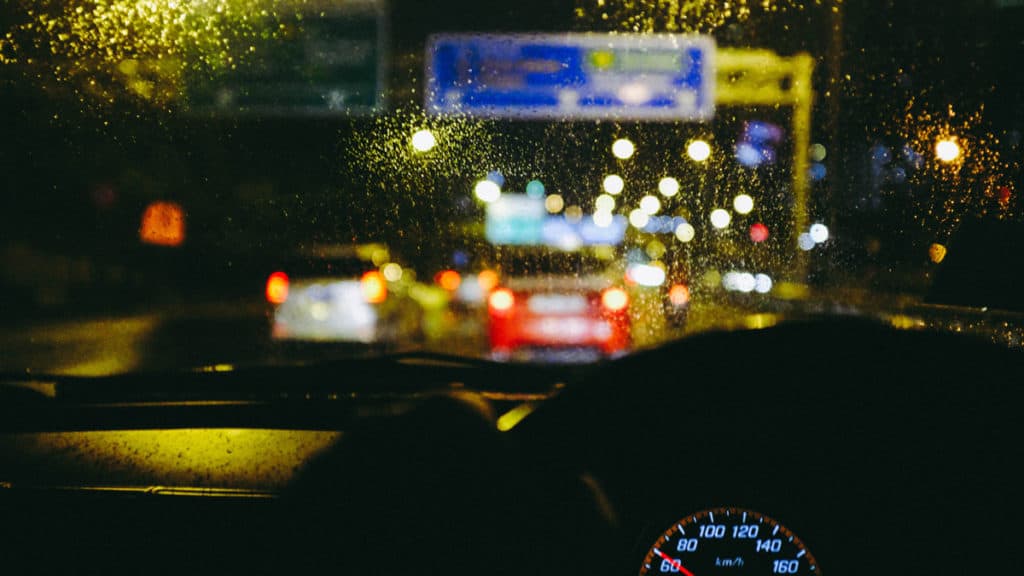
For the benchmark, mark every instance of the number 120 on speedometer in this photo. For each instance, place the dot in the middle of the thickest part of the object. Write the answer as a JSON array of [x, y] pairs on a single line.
[[728, 541]]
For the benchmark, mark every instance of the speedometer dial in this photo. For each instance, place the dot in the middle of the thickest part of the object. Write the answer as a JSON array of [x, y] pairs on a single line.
[[729, 541]]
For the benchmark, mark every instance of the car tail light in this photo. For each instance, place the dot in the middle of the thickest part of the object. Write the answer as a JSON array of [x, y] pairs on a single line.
[[501, 301], [487, 280], [375, 288], [277, 288], [449, 280], [614, 299], [679, 295]]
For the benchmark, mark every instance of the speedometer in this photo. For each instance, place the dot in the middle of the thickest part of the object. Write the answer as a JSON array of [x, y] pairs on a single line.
[[730, 541]]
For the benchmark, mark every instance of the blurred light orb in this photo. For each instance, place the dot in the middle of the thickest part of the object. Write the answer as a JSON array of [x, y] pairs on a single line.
[[818, 152], [623, 149], [423, 140], [819, 233], [554, 203], [602, 218], [638, 218], [720, 218], [613, 184], [535, 189], [392, 272], [762, 283], [698, 150], [650, 204], [604, 203], [936, 253], [668, 186], [574, 213], [947, 150], [743, 204], [758, 232], [487, 191], [805, 242], [685, 232]]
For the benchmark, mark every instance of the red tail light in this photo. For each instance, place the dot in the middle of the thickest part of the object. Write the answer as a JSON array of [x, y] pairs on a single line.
[[614, 299], [375, 287], [277, 288], [501, 301]]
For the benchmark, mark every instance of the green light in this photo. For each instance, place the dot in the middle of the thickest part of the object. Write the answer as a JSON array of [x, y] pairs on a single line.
[[535, 189]]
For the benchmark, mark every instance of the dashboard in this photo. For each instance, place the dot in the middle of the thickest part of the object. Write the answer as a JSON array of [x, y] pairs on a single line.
[[834, 446]]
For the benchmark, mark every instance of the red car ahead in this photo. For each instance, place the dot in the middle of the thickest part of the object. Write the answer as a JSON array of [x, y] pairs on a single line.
[[567, 307]]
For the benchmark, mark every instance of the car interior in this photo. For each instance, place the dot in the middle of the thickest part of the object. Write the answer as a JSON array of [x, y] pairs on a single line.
[[881, 448]]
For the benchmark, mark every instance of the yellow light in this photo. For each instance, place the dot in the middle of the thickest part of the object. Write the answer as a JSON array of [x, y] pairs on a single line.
[[392, 272], [668, 186], [613, 184], [623, 149], [655, 249], [501, 300], [698, 150], [614, 299], [423, 140], [947, 150], [650, 204], [554, 203], [508, 420], [720, 218], [487, 191], [604, 203], [743, 204], [638, 218], [936, 252]]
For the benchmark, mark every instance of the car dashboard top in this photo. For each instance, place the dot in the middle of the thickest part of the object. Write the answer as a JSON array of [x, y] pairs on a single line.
[[827, 447]]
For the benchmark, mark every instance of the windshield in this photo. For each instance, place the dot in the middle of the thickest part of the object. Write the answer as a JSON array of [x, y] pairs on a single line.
[[235, 182]]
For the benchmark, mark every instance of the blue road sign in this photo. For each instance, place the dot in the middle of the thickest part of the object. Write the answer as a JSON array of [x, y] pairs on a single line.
[[572, 76]]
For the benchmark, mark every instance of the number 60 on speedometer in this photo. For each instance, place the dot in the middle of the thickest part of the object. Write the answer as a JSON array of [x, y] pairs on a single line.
[[728, 541]]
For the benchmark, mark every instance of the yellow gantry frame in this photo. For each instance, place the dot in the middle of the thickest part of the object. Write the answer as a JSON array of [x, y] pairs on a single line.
[[764, 78]]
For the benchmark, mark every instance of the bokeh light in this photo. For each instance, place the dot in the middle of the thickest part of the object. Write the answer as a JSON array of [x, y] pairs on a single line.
[[623, 149], [487, 191], [650, 204], [685, 232], [947, 150], [423, 140], [638, 218], [613, 184], [720, 218], [554, 203], [698, 150], [668, 186], [743, 204]]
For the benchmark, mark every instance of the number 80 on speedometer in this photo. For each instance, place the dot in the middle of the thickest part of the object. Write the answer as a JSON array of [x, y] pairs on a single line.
[[728, 541]]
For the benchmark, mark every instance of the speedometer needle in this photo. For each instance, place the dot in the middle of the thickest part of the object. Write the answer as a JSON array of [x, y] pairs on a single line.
[[675, 563]]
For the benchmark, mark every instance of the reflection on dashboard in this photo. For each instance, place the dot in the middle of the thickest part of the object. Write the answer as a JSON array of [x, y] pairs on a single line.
[[728, 541]]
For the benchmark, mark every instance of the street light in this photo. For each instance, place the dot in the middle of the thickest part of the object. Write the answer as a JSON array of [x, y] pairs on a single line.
[[947, 150], [613, 184], [668, 186], [698, 150], [423, 140], [487, 191], [623, 149]]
